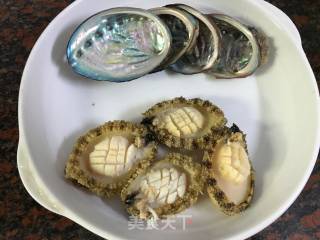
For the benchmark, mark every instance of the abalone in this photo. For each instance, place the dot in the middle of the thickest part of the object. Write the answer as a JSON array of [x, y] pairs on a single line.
[[168, 187], [182, 123], [106, 157], [230, 175]]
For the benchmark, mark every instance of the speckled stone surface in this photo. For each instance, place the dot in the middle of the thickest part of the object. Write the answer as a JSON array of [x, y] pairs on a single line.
[[21, 23]]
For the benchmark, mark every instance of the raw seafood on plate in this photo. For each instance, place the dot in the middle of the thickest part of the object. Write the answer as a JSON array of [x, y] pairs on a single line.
[[106, 157]]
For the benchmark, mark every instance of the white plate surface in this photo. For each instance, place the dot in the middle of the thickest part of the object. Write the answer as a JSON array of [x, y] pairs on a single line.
[[278, 108]]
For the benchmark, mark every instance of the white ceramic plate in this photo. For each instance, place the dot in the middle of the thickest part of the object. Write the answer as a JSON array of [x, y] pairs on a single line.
[[278, 108]]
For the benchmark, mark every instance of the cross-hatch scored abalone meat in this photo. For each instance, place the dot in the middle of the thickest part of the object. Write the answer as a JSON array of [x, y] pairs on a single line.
[[160, 187], [106, 157], [164, 185], [114, 156], [121, 158], [170, 186], [182, 123], [230, 175], [122, 44]]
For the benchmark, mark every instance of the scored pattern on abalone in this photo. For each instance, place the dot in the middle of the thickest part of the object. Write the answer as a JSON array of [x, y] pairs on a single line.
[[181, 122], [113, 156], [232, 162], [164, 186]]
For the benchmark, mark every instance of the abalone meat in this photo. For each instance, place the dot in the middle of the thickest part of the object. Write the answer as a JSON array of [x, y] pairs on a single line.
[[230, 175], [170, 186], [106, 157], [182, 123]]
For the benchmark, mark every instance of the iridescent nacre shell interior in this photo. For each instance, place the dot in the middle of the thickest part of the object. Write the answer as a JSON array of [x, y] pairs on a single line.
[[205, 51], [239, 54], [184, 30], [119, 44]]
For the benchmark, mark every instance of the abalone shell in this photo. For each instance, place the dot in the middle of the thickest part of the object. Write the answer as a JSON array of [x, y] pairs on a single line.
[[119, 44]]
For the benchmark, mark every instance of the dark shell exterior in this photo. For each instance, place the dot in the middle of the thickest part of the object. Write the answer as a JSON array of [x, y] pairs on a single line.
[[241, 54], [205, 50], [184, 30]]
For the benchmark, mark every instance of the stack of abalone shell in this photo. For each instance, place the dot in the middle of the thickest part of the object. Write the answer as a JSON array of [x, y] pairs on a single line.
[[122, 44]]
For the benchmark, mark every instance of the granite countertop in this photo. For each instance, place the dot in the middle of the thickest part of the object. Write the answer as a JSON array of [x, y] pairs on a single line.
[[21, 23]]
